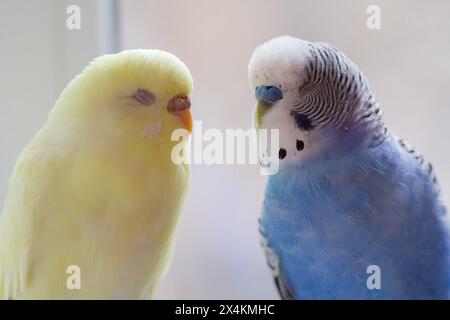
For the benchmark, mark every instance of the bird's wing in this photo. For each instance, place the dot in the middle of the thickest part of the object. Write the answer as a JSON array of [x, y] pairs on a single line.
[[18, 222], [284, 289]]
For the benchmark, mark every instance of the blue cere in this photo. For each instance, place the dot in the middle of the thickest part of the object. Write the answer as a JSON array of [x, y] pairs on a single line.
[[269, 94]]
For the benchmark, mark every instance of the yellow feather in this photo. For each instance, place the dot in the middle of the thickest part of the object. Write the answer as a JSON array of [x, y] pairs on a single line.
[[92, 190]]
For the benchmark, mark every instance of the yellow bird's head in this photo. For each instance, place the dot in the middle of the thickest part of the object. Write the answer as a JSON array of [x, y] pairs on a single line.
[[135, 95]]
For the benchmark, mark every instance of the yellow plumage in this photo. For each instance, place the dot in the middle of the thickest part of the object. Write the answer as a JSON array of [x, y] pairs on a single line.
[[96, 186]]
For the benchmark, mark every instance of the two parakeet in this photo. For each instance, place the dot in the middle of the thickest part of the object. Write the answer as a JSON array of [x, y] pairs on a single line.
[[96, 187], [354, 212]]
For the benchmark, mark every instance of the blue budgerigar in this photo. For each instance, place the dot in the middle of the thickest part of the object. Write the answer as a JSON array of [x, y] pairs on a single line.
[[353, 212]]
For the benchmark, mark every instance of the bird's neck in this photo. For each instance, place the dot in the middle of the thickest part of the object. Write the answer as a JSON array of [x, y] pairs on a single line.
[[365, 126], [363, 129]]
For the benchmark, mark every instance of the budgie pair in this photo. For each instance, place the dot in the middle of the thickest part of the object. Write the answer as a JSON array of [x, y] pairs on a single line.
[[96, 187]]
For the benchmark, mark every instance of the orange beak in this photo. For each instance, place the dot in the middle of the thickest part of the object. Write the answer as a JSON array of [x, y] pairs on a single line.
[[180, 105]]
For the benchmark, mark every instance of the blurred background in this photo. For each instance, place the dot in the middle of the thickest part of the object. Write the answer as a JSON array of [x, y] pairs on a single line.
[[218, 255]]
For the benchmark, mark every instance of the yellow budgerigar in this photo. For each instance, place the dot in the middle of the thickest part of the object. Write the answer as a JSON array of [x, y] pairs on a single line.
[[95, 198]]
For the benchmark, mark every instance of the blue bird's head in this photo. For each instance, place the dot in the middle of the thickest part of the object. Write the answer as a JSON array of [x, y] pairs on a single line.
[[315, 96]]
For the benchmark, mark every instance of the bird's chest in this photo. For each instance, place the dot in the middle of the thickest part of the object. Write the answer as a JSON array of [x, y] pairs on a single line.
[[116, 228], [321, 233]]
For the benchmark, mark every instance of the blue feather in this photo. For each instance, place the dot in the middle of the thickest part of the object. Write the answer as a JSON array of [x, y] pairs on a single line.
[[327, 221]]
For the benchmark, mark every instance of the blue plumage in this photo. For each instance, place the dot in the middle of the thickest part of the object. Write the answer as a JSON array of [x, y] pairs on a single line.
[[328, 221]]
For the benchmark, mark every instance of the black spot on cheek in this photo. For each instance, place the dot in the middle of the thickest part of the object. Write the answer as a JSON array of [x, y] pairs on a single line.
[[302, 121], [300, 145], [282, 153]]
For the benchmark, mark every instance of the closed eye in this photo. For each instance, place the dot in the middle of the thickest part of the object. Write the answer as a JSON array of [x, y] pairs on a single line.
[[144, 97]]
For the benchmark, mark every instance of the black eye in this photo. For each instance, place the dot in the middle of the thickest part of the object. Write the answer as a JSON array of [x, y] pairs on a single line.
[[302, 121], [144, 97], [282, 153], [300, 145]]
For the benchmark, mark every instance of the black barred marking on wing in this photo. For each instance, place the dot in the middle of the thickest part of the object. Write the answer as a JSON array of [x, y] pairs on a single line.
[[336, 94], [271, 258], [285, 291], [278, 274], [420, 159]]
